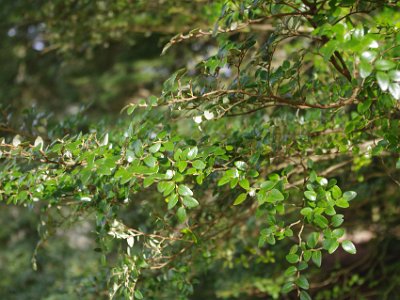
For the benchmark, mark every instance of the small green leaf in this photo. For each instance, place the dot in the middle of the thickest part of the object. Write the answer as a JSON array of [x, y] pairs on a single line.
[[199, 165], [337, 220], [172, 200], [307, 255], [321, 221], [330, 210], [287, 287], [384, 65], [302, 265], [148, 181], [292, 258], [317, 258], [181, 214], [192, 153], [181, 165], [290, 271], [336, 192], [241, 165], [310, 195], [394, 90], [294, 249], [184, 190], [244, 183], [234, 182], [138, 295], [166, 47], [331, 245], [338, 232], [224, 180], [39, 142], [274, 177], [169, 146], [155, 148], [312, 239], [169, 174], [394, 75], [190, 202], [274, 195], [383, 80], [304, 296], [199, 179], [368, 56], [313, 176], [177, 154], [150, 161], [322, 181], [138, 148], [268, 185], [302, 282], [363, 106], [350, 195], [131, 108], [343, 203], [365, 69], [253, 173], [261, 241], [161, 186], [349, 247], [271, 239], [288, 232], [306, 211], [242, 197], [166, 187]]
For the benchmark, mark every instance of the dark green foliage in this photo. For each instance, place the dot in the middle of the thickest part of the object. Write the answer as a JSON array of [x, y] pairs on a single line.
[[249, 160]]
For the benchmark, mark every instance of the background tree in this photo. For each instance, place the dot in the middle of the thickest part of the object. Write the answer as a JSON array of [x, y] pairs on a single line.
[[253, 171]]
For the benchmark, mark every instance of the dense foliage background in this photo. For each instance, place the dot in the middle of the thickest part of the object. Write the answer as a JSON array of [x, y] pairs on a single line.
[[199, 149]]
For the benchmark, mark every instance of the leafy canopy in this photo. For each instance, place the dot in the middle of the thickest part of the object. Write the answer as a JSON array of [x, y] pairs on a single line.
[[233, 163]]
